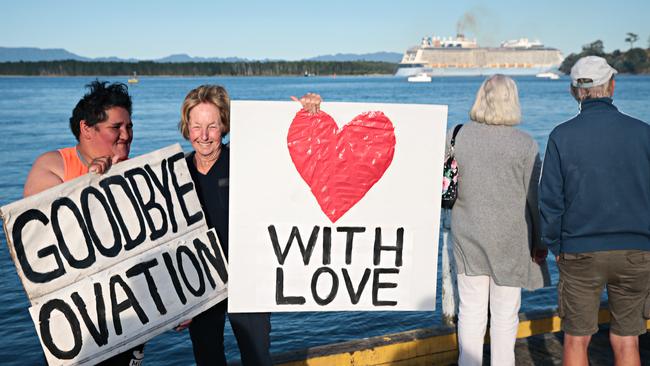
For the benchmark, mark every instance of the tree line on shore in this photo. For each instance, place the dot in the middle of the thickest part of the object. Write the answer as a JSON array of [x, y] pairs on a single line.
[[150, 68], [636, 60]]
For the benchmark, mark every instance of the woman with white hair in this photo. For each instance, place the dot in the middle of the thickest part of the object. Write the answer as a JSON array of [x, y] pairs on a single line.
[[495, 222]]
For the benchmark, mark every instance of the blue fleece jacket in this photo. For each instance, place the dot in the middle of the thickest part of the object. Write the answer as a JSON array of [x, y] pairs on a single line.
[[594, 194]]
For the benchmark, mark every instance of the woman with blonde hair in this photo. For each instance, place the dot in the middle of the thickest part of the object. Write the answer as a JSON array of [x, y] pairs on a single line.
[[495, 222], [205, 118]]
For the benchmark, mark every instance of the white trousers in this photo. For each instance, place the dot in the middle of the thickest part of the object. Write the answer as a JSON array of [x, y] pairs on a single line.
[[476, 292]]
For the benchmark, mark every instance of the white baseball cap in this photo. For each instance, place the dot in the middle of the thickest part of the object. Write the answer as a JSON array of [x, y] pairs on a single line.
[[592, 68]]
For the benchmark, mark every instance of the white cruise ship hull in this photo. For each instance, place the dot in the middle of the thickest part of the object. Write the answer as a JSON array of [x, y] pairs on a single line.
[[471, 71]]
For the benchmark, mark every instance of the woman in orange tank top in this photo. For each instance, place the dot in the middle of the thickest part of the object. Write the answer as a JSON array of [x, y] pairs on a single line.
[[73, 167]]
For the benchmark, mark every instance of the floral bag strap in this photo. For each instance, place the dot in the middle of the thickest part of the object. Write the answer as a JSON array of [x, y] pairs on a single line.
[[453, 137]]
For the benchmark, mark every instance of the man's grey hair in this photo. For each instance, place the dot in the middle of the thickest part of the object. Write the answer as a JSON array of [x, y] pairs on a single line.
[[599, 91]]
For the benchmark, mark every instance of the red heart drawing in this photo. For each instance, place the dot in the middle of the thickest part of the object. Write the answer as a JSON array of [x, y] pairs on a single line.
[[340, 166]]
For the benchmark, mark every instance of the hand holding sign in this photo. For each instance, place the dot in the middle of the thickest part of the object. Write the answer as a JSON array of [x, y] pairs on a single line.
[[310, 102], [102, 164]]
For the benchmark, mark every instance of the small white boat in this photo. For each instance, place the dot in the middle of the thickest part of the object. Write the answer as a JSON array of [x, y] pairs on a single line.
[[548, 75], [419, 78]]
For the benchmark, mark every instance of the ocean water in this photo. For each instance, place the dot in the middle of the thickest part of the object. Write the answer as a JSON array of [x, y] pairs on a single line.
[[34, 114]]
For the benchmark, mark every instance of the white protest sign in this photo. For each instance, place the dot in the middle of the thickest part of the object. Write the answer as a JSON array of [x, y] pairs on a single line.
[[327, 215], [110, 261]]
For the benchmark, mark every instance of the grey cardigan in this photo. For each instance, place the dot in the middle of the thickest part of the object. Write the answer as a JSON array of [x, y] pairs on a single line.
[[495, 221]]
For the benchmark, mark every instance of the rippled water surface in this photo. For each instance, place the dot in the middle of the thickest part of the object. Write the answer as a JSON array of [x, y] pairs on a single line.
[[34, 114]]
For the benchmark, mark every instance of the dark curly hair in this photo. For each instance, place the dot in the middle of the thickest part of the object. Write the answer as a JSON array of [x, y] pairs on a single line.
[[93, 106]]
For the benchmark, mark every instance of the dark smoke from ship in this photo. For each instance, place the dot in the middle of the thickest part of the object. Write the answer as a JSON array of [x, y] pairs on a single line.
[[466, 23]]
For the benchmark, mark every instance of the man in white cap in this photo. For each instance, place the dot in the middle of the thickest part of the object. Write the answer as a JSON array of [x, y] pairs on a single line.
[[595, 216]]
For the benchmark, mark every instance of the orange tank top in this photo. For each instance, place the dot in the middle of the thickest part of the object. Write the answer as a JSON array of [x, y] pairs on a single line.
[[73, 167]]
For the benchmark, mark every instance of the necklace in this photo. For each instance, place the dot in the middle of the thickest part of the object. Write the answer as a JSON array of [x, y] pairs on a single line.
[[83, 160]]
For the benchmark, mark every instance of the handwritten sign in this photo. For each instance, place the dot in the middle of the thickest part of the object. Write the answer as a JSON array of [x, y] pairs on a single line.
[[110, 261], [338, 211]]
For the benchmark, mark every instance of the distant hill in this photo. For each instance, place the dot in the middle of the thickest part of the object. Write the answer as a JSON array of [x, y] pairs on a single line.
[[393, 57], [15, 54], [182, 57], [112, 59]]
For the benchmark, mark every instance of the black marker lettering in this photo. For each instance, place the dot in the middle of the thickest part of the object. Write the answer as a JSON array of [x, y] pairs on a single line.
[[143, 268], [99, 332], [397, 248], [355, 295], [150, 205], [280, 299], [216, 260], [327, 245], [89, 218], [118, 180], [46, 335], [50, 250], [163, 186], [172, 274], [182, 191], [130, 302], [306, 252], [314, 283], [376, 285], [349, 239], [197, 267], [63, 246]]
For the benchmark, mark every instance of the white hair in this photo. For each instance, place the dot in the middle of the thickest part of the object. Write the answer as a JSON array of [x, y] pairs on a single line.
[[497, 102]]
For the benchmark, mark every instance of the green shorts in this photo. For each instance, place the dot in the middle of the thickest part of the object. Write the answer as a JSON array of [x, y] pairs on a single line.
[[626, 273]]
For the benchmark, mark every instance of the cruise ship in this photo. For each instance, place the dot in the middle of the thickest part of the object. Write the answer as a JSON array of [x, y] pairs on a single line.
[[436, 56]]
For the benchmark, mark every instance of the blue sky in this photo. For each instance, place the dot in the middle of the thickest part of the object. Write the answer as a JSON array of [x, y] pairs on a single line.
[[297, 29]]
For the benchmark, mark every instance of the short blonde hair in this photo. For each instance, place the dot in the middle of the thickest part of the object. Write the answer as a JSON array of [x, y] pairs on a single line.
[[497, 102], [212, 94], [599, 91]]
